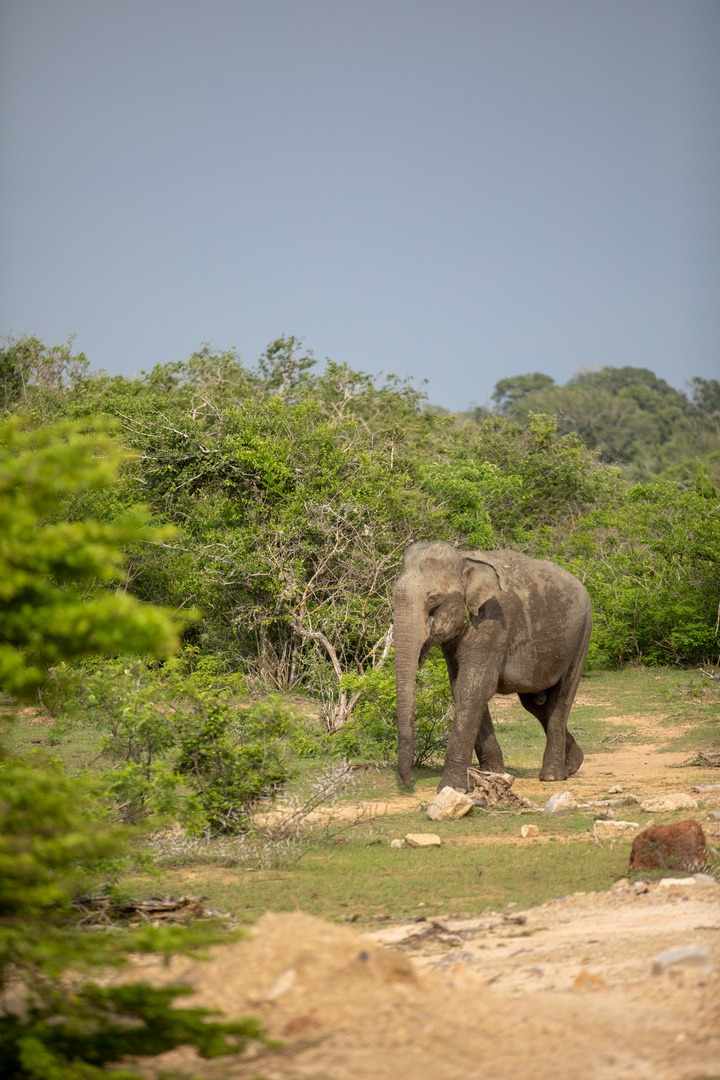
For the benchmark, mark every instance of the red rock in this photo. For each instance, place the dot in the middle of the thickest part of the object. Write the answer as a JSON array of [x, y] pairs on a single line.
[[680, 846]]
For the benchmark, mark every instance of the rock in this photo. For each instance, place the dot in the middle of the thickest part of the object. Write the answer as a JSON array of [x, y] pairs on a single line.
[[669, 882], [529, 830], [674, 800], [449, 804], [562, 803], [615, 790], [705, 879], [680, 846], [611, 830], [420, 839], [396, 844], [282, 984], [688, 957], [707, 787], [714, 815]]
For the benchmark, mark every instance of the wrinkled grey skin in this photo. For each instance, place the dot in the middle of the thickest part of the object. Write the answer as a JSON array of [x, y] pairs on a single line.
[[507, 624]]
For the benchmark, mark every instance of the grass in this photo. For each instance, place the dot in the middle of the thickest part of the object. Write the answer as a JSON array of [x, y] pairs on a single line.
[[362, 878], [483, 864]]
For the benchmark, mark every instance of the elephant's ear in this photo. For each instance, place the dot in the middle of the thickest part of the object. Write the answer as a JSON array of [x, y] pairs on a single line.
[[482, 581]]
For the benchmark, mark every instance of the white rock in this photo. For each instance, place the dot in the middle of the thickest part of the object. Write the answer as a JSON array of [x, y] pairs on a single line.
[[611, 830], [282, 984], [397, 844], [419, 839], [668, 882], [674, 800], [529, 830], [562, 803], [449, 804], [614, 790], [689, 957]]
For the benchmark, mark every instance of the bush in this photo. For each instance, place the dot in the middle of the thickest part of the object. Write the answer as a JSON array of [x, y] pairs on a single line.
[[233, 761]]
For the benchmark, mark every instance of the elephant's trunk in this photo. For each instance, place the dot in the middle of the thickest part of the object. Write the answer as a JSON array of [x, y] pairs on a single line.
[[408, 643]]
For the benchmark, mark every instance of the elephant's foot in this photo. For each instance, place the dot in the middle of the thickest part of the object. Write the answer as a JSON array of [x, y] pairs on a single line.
[[552, 771], [574, 760]]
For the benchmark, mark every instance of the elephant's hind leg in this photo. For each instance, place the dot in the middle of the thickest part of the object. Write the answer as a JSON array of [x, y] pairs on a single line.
[[487, 747], [544, 710]]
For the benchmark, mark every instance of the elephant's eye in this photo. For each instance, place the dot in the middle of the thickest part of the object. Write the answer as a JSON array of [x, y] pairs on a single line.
[[434, 609]]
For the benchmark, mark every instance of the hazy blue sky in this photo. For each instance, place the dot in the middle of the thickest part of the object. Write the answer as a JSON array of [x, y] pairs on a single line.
[[457, 190]]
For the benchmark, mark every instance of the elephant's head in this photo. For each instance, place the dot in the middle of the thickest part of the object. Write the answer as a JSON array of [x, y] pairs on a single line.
[[437, 588]]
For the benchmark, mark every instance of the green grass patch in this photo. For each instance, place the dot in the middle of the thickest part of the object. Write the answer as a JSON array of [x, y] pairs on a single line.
[[360, 878]]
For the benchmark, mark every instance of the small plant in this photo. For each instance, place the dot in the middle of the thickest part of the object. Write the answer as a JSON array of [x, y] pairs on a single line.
[[233, 762]]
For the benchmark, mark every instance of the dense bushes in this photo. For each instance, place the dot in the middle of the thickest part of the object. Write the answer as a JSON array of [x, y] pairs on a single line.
[[295, 493]]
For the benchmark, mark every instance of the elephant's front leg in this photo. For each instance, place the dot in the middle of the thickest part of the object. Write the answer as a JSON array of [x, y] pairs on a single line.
[[487, 748], [474, 683]]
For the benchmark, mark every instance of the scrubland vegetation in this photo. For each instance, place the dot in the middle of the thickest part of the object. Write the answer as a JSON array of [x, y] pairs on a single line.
[[196, 570]]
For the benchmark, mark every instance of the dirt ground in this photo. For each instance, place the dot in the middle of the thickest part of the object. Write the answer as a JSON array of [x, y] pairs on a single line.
[[563, 990]]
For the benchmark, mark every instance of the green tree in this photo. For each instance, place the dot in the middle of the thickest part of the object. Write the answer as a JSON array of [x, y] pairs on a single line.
[[651, 564], [54, 834], [510, 392], [628, 415], [49, 566]]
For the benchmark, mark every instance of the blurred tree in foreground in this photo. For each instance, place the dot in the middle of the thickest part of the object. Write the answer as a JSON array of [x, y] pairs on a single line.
[[54, 835]]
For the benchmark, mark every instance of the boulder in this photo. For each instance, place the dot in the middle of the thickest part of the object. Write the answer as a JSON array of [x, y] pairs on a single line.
[[449, 804], [562, 803], [673, 800], [396, 844], [418, 840], [529, 830], [680, 846]]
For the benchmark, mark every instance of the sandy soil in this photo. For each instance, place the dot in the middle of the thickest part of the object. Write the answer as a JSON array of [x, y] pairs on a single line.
[[563, 990]]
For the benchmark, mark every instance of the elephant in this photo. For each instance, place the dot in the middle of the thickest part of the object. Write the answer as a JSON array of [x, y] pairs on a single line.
[[507, 624]]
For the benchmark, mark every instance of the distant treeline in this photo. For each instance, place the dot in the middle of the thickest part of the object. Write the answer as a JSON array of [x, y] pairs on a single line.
[[296, 491]]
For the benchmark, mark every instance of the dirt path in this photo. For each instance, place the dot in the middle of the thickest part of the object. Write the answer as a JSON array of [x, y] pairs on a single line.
[[568, 993], [562, 991]]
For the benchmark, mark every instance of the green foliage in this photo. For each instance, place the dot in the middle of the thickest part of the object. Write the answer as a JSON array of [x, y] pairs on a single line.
[[509, 392], [54, 835], [32, 375], [233, 761], [74, 1036], [628, 415], [48, 564], [175, 741], [652, 567], [371, 731], [55, 842]]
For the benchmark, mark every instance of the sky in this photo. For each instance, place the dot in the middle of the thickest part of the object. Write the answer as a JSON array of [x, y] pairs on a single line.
[[452, 190]]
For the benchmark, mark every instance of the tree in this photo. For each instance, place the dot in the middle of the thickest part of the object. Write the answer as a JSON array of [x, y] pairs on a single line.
[[509, 392], [54, 834], [33, 372], [50, 566], [706, 396], [628, 415]]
